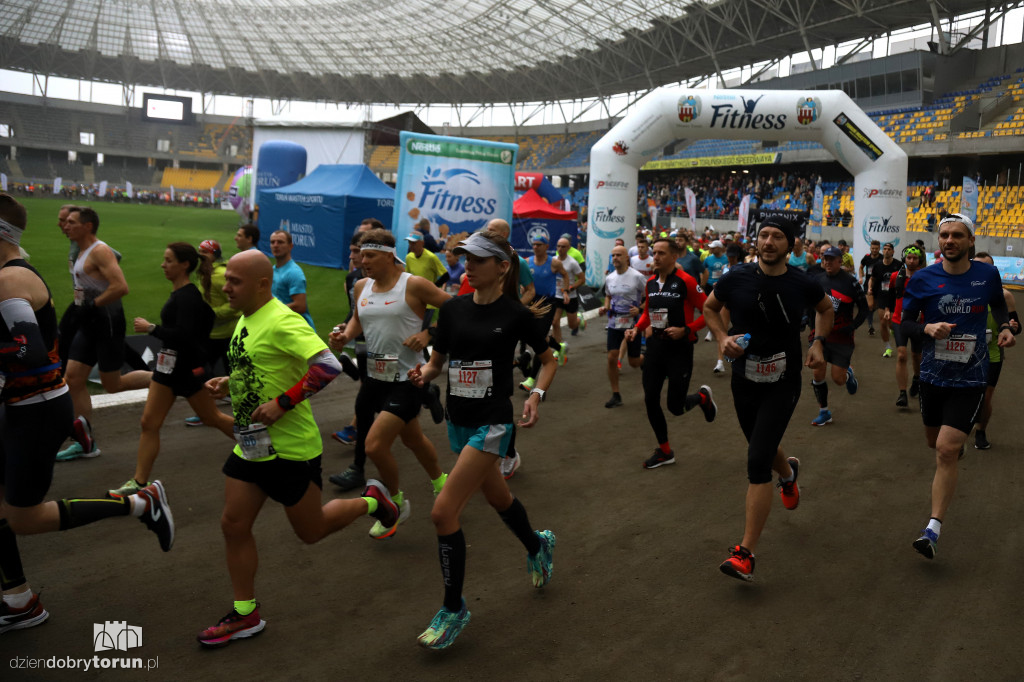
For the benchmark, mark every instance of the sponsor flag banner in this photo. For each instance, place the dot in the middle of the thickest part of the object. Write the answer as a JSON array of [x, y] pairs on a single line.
[[743, 219], [691, 208], [172, 194], [128, 190], [212, 198], [3, 181], [57, 184], [103, 188], [969, 199], [819, 204], [458, 184]]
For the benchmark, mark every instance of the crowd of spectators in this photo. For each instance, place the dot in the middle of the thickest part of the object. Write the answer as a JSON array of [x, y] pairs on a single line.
[[91, 192]]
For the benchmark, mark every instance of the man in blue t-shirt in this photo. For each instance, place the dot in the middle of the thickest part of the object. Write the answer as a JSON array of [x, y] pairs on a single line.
[[715, 263], [955, 297], [289, 281]]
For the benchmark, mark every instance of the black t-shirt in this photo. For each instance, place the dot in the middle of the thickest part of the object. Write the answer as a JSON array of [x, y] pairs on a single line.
[[846, 293], [480, 342], [185, 323], [770, 310], [880, 279], [869, 261]]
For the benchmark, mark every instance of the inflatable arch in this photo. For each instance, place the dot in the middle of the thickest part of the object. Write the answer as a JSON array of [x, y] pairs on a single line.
[[829, 117]]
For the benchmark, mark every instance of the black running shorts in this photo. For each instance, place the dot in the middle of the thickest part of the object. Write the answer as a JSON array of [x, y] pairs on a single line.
[[953, 406], [764, 411], [99, 338], [571, 307], [994, 370], [617, 336], [901, 339], [30, 436], [283, 480], [184, 384], [400, 398], [839, 354]]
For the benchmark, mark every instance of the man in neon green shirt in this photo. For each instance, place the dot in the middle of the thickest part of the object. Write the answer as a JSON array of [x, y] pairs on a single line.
[[575, 253], [424, 263], [277, 362]]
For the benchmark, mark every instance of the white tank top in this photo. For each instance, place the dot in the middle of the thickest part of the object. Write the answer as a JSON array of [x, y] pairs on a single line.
[[87, 288], [387, 321]]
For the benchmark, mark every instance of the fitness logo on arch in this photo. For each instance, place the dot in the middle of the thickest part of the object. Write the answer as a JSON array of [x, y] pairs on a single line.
[[881, 228], [689, 108], [606, 224]]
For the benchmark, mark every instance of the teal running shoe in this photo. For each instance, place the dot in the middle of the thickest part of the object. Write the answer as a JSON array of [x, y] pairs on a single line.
[[541, 564], [445, 627]]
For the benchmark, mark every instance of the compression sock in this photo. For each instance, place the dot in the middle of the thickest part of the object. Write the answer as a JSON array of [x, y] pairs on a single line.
[[75, 513], [245, 606], [451, 551], [821, 392], [11, 573], [665, 447], [439, 482], [371, 505], [693, 400], [935, 526], [519, 523]]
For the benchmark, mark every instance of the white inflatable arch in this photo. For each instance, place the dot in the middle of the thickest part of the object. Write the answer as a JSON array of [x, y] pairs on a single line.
[[829, 117]]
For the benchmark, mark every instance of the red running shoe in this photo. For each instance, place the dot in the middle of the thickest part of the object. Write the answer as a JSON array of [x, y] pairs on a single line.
[[30, 615], [789, 491], [232, 626], [740, 564]]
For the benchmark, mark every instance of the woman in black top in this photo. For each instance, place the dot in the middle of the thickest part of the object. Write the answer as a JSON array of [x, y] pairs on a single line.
[[479, 334], [181, 365]]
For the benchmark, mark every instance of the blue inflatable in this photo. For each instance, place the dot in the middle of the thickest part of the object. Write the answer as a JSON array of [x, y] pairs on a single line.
[[280, 163]]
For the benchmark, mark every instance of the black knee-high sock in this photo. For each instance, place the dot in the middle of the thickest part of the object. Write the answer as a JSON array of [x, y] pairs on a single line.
[[451, 550], [821, 392], [553, 344], [11, 573], [75, 513], [517, 521]]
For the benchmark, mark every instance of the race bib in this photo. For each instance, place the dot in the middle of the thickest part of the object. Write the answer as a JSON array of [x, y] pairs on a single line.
[[254, 441], [885, 285], [956, 348], [622, 322], [382, 366], [79, 296], [166, 359], [764, 370], [659, 318], [470, 379]]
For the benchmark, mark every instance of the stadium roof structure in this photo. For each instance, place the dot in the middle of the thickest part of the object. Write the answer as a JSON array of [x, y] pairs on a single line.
[[434, 51]]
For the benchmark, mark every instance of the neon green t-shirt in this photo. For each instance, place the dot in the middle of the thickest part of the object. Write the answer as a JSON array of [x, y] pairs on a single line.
[[268, 355], [428, 266]]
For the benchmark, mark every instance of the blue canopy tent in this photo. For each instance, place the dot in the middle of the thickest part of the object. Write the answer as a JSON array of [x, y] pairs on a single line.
[[532, 216], [322, 210]]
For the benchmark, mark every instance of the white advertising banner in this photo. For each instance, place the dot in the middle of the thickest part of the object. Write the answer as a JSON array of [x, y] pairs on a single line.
[[691, 208], [103, 188], [3, 181], [57, 184], [743, 215], [969, 199], [828, 117], [128, 190]]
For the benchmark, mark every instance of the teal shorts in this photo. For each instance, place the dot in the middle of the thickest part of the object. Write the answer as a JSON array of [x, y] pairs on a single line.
[[492, 438]]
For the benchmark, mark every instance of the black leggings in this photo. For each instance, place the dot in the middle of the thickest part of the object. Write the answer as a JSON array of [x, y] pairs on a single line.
[[672, 360], [764, 411]]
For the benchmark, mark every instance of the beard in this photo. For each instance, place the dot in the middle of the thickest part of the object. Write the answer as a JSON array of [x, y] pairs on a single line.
[[954, 258], [771, 258]]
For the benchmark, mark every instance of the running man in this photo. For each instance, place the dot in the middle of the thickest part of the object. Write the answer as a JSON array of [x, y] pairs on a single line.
[[845, 293], [289, 280], [867, 265], [625, 290], [672, 296], [277, 362], [567, 297], [544, 270], [955, 298], [913, 260], [643, 261], [767, 300], [390, 305], [479, 334], [247, 237], [878, 291], [100, 327], [38, 415]]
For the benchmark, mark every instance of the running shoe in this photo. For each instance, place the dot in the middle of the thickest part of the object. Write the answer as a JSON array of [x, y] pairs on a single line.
[[616, 401], [445, 627], [76, 451], [659, 458], [574, 332], [789, 491], [902, 400], [29, 616], [129, 487], [387, 512], [563, 348], [82, 433], [347, 436], [433, 402], [719, 367], [528, 384], [349, 479], [851, 381], [740, 563], [232, 626], [619, 363], [887, 353], [708, 406], [379, 532], [510, 465], [915, 386], [560, 358], [157, 516], [524, 361], [927, 544], [438, 487], [541, 565], [824, 417], [980, 441], [193, 421], [707, 337], [583, 323]]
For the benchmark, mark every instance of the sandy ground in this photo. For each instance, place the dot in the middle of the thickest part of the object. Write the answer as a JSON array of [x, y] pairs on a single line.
[[839, 592]]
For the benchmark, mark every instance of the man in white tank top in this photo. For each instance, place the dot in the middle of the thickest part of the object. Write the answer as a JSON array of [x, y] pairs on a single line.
[[389, 308], [100, 326]]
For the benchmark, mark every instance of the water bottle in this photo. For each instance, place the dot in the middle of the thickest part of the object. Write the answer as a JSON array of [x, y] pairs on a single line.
[[742, 342]]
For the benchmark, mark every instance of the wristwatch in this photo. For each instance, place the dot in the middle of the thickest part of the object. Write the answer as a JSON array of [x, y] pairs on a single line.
[[538, 391], [818, 338]]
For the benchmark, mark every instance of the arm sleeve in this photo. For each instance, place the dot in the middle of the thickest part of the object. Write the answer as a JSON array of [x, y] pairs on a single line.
[[27, 347], [323, 367], [997, 304], [860, 299]]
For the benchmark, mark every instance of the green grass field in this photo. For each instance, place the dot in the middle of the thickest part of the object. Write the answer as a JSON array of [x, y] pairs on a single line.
[[141, 233]]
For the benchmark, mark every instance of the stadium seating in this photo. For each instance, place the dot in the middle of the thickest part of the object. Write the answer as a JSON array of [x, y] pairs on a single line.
[[190, 178]]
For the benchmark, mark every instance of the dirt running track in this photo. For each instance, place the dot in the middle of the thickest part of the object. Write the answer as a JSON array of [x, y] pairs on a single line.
[[839, 592]]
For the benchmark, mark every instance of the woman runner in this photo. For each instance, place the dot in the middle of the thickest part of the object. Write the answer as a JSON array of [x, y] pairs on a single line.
[[479, 334]]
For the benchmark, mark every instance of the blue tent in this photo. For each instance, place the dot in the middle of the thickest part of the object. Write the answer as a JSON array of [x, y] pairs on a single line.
[[322, 211]]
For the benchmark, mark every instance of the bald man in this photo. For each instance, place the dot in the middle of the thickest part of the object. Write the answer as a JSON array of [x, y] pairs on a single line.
[[277, 361]]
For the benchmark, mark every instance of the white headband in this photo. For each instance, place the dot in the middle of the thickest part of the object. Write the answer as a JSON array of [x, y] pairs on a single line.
[[370, 246], [10, 233]]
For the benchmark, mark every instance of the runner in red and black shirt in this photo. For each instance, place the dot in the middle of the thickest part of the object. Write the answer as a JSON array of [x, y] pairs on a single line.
[[913, 260], [878, 290], [668, 312], [846, 293]]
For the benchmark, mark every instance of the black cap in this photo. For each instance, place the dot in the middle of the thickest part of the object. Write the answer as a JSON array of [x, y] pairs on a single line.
[[788, 227]]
